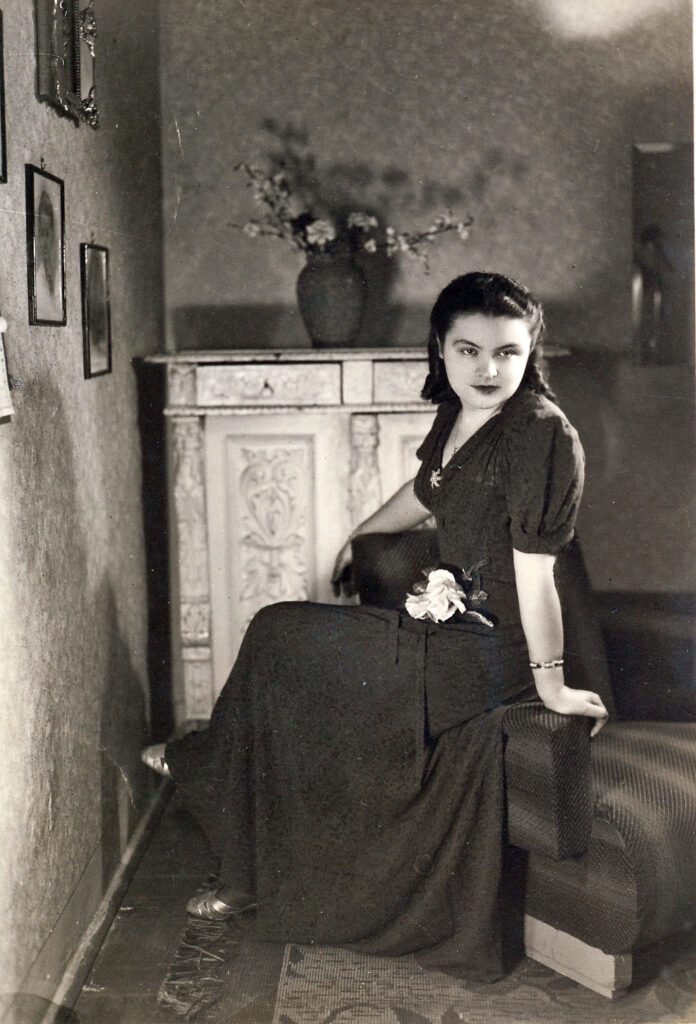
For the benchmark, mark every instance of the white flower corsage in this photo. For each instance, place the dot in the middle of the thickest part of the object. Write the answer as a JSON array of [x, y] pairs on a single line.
[[438, 599], [440, 596]]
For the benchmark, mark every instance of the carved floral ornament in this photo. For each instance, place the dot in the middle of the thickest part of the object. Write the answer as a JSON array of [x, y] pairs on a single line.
[[274, 540], [189, 506], [225, 385]]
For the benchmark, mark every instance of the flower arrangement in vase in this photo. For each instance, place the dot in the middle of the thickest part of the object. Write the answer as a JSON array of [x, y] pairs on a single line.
[[322, 223]]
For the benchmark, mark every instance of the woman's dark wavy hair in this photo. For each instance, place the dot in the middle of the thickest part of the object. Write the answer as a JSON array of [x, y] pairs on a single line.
[[492, 295]]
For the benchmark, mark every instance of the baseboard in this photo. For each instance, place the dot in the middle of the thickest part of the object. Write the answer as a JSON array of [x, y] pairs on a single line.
[[54, 982]]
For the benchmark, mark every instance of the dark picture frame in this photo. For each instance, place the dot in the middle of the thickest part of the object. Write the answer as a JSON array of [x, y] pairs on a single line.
[[45, 247], [3, 131], [96, 309]]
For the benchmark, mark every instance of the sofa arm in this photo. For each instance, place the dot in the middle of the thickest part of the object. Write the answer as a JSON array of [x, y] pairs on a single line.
[[548, 780]]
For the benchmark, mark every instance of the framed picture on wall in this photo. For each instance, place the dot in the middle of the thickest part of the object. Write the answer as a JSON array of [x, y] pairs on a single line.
[[96, 309], [66, 35], [3, 136], [58, 55], [45, 247]]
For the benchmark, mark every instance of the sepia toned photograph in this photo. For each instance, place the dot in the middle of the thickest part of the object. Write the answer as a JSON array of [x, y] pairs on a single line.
[[96, 309], [45, 247], [348, 626]]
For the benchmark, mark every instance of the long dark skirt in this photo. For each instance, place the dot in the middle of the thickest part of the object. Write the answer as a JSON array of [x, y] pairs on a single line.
[[351, 781]]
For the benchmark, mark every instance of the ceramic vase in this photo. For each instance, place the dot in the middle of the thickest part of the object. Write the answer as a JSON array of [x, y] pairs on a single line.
[[331, 294]]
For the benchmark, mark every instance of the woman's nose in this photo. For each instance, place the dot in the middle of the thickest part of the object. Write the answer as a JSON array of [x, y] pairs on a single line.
[[489, 369]]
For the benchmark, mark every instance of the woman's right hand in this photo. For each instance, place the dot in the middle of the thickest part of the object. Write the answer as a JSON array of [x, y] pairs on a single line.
[[569, 701], [340, 577]]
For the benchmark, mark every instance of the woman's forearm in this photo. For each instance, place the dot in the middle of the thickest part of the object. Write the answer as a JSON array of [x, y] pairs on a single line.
[[402, 511], [542, 621], [540, 612]]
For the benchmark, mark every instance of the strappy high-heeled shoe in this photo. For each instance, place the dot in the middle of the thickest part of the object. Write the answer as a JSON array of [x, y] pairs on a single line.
[[208, 907], [154, 758]]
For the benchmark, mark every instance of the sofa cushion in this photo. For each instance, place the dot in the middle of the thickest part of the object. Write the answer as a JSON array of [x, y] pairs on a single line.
[[637, 881]]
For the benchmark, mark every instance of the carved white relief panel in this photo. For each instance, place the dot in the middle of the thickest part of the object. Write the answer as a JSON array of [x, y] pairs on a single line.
[[277, 514], [270, 485], [261, 384], [399, 380], [189, 509], [181, 384], [365, 484], [195, 622], [198, 682]]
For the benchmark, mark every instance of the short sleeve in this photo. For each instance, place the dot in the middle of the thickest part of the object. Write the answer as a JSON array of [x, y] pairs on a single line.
[[546, 471]]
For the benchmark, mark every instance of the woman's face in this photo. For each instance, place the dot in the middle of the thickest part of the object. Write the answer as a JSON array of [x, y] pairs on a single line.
[[485, 358]]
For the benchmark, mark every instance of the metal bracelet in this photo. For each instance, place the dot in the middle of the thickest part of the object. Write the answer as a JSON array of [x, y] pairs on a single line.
[[556, 663]]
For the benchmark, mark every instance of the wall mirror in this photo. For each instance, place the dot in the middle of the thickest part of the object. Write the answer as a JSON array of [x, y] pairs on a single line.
[[662, 280]]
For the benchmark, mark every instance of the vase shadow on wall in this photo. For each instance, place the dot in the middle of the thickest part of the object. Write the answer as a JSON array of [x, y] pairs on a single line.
[[280, 326]]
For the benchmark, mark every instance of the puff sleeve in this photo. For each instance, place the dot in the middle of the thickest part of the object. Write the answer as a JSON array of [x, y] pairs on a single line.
[[546, 471]]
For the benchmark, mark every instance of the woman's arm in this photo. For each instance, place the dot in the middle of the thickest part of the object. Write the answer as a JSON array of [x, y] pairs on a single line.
[[540, 612], [402, 511]]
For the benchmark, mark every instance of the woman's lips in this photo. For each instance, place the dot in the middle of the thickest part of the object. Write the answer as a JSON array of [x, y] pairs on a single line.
[[486, 389]]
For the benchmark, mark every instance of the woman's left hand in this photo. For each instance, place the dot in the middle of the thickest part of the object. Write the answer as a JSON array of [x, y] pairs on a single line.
[[341, 581], [568, 701]]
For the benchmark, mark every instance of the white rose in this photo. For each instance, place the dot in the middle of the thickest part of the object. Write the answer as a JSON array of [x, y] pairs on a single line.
[[417, 606], [440, 576]]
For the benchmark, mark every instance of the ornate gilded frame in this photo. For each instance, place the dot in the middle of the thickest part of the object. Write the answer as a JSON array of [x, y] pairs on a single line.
[[66, 33]]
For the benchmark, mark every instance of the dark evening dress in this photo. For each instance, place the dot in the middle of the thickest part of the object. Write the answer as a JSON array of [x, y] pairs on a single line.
[[351, 777]]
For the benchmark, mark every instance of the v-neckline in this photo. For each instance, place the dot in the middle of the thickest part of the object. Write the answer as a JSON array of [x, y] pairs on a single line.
[[444, 466]]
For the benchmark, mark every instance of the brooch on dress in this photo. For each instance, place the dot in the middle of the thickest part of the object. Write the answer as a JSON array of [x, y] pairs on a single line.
[[435, 478]]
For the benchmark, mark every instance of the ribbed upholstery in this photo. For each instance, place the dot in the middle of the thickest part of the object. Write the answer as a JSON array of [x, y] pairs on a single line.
[[613, 860], [548, 781], [386, 565], [637, 881]]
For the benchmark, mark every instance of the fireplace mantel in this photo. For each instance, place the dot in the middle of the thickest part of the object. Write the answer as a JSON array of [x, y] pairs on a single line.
[[274, 456]]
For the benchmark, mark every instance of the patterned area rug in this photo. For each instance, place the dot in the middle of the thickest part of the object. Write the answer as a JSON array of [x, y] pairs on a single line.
[[218, 976], [319, 985]]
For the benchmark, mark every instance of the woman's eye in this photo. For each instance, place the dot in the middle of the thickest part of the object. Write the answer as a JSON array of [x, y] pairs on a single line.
[[467, 350], [509, 352]]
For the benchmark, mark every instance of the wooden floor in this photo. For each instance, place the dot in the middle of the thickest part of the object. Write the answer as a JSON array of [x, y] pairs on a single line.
[[123, 983], [125, 980]]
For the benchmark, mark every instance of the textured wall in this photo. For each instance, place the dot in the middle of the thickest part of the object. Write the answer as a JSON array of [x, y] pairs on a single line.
[[529, 106], [73, 695]]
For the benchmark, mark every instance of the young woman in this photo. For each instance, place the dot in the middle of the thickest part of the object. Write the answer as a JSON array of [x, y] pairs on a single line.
[[350, 780]]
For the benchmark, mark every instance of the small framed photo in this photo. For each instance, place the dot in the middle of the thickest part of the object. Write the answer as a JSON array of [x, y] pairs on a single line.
[[45, 247], [96, 309], [3, 136]]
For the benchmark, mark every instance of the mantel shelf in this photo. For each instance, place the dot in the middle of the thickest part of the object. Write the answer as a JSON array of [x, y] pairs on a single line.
[[289, 355]]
